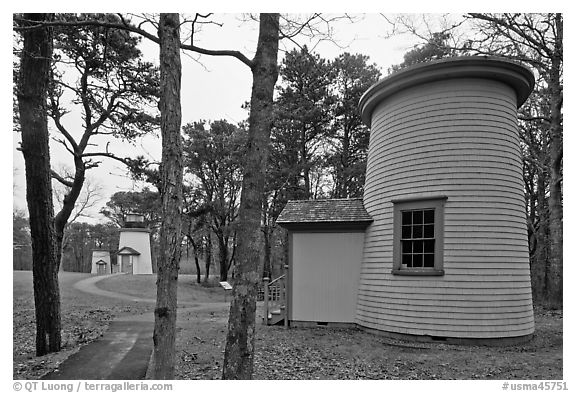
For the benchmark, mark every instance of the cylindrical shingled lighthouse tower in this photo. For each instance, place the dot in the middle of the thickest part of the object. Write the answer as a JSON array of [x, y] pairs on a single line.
[[447, 254]]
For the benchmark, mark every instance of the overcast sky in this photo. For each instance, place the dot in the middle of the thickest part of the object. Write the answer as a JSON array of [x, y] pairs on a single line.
[[216, 87]]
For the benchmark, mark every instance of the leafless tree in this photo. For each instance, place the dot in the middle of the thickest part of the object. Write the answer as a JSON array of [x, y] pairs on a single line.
[[33, 82]]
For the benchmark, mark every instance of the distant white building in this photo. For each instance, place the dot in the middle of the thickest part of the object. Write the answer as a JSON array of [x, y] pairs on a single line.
[[101, 262], [134, 255]]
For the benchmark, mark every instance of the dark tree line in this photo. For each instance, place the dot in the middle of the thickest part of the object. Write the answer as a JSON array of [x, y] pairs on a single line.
[[319, 143], [213, 156]]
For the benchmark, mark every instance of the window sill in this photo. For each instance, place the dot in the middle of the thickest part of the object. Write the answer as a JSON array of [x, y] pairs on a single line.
[[418, 272]]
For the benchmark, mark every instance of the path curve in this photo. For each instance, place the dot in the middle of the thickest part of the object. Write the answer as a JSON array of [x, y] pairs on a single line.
[[124, 351], [88, 285]]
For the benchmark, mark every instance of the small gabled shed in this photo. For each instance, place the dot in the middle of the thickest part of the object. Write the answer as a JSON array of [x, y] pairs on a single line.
[[326, 239], [101, 262]]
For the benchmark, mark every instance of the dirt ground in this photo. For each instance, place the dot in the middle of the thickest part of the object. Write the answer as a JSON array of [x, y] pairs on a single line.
[[301, 353], [327, 353]]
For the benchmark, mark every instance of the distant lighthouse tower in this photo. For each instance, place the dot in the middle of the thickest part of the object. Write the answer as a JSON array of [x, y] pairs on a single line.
[[134, 256]]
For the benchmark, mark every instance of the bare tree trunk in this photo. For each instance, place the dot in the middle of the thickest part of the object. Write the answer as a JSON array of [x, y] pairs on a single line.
[[267, 251], [239, 352], [153, 253], [345, 174], [33, 83], [196, 259], [305, 164], [208, 256], [540, 242], [171, 194], [61, 219], [555, 282], [223, 255], [197, 263]]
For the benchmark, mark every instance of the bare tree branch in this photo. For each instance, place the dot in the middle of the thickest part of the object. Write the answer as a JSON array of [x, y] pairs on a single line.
[[62, 180], [126, 25]]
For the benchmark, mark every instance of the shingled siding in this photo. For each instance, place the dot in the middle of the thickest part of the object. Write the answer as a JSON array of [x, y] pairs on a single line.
[[456, 138]]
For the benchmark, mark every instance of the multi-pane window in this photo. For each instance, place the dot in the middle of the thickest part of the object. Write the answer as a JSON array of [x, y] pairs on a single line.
[[418, 236]]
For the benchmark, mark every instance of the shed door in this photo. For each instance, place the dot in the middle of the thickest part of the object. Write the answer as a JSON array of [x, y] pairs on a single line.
[[126, 264], [325, 273], [101, 268]]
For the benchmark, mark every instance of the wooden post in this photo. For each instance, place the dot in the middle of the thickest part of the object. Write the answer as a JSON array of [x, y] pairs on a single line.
[[285, 295], [266, 281], [281, 288]]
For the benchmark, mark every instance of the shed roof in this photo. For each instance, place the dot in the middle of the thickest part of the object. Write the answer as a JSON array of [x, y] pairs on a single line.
[[324, 211], [128, 251]]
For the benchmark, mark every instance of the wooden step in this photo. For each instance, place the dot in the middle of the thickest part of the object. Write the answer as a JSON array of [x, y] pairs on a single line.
[[276, 316]]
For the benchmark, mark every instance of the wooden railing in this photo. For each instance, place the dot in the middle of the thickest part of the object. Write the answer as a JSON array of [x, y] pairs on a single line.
[[275, 297]]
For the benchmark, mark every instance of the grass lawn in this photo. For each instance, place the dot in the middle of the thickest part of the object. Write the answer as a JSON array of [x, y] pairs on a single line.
[[303, 353], [145, 286]]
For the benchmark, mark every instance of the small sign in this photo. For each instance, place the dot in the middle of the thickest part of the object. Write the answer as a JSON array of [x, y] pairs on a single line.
[[226, 285]]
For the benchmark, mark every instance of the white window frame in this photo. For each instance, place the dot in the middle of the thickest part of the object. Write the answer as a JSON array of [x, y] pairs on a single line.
[[425, 203]]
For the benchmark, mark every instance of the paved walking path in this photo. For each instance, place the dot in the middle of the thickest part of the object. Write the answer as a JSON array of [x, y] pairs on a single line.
[[123, 352]]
